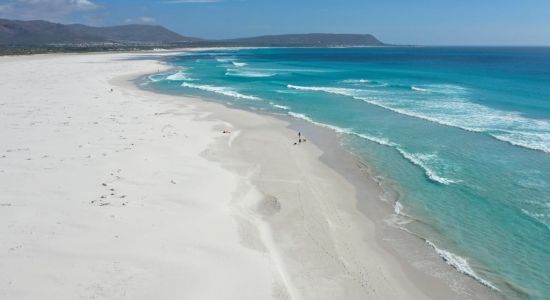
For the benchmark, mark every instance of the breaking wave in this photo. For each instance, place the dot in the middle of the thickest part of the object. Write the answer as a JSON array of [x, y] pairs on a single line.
[[226, 91], [418, 89], [247, 73], [510, 127], [356, 81], [156, 77], [330, 90], [422, 161], [283, 107], [179, 76], [238, 64], [378, 140], [224, 60], [460, 264]]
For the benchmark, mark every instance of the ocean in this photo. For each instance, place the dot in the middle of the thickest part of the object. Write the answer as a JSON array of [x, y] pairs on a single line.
[[461, 133]]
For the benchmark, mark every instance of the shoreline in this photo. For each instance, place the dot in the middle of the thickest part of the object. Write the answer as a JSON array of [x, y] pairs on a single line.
[[394, 239], [272, 209]]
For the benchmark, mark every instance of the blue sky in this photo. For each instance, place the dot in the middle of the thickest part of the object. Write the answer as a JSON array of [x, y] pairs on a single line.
[[427, 22]]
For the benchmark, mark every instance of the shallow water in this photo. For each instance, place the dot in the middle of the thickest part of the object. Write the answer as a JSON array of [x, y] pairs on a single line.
[[462, 133]]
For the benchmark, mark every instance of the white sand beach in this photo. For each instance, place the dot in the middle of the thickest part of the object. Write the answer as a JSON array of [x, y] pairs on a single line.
[[128, 194]]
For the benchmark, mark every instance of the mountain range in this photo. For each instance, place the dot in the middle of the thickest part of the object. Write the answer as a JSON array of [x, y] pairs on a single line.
[[40, 33], [14, 32]]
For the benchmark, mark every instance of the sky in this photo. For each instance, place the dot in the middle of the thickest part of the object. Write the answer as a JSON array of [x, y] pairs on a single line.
[[418, 22]]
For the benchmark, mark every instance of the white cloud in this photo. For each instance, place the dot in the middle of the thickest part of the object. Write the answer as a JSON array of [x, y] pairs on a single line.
[[4, 8], [142, 20], [147, 20], [83, 4], [44, 9], [191, 1]]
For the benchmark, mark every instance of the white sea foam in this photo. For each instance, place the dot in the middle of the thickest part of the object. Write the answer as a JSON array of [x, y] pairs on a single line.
[[332, 127], [220, 90], [422, 161], [419, 89], [155, 77], [460, 264], [540, 216], [179, 76], [533, 214], [448, 89], [398, 219], [397, 207], [455, 111], [247, 73], [295, 70], [238, 64], [356, 81], [508, 127], [284, 107], [231, 60], [366, 83], [286, 91], [537, 141], [331, 90], [301, 116], [224, 60], [378, 140]]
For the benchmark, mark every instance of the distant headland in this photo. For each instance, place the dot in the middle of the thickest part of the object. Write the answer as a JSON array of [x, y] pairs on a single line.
[[24, 37]]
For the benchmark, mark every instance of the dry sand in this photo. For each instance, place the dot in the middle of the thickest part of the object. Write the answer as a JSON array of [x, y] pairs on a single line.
[[127, 194]]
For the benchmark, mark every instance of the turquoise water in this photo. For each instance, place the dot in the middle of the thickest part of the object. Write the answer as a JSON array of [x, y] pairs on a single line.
[[462, 133]]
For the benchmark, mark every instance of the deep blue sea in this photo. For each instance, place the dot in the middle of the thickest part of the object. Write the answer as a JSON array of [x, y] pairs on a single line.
[[463, 134]]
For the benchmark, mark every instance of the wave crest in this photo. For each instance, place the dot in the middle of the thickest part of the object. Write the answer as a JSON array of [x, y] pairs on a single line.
[[455, 111], [422, 161], [460, 264], [155, 77], [356, 81], [330, 90], [377, 140], [419, 89], [283, 107], [226, 91], [247, 73], [223, 60], [179, 76], [238, 64]]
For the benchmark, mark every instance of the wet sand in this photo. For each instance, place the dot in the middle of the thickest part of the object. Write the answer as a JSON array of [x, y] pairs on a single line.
[[132, 194]]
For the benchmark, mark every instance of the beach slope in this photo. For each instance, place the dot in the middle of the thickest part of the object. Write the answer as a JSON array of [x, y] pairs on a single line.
[[113, 192]]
